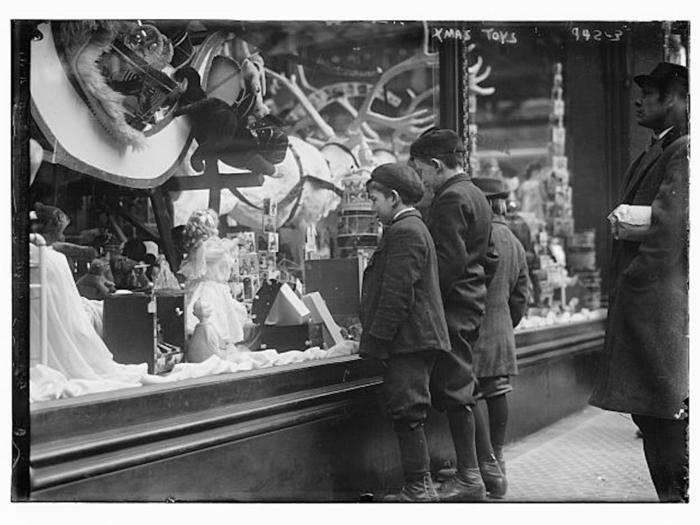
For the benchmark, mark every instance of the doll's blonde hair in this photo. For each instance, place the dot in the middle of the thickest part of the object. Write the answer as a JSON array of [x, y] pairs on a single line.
[[201, 225]]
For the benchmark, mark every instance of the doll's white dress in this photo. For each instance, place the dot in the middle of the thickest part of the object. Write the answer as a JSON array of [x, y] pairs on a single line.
[[77, 358], [207, 269]]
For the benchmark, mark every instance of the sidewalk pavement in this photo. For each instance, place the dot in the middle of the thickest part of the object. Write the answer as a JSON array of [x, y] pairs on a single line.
[[592, 455]]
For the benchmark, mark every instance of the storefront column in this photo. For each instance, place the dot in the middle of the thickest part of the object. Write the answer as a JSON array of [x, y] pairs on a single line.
[[450, 85], [21, 35]]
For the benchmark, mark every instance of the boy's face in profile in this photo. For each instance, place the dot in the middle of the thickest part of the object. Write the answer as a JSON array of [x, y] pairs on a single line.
[[383, 205]]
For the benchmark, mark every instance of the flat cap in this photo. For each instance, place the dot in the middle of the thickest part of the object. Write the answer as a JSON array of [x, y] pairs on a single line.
[[493, 188], [401, 178], [437, 142]]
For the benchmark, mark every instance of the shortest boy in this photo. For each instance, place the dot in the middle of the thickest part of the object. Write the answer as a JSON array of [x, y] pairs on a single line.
[[403, 323]]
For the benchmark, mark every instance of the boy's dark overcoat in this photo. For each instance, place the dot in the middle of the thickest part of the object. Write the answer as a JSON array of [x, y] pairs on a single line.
[[506, 303], [401, 310]]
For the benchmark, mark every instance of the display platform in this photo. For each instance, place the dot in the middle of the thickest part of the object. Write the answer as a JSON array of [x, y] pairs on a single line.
[[306, 432]]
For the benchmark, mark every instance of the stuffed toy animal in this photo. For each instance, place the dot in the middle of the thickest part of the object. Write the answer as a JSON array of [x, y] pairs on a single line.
[[221, 131], [51, 223], [96, 284], [128, 274]]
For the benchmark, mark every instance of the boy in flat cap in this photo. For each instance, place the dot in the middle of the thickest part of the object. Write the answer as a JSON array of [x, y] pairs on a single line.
[[459, 220], [644, 368], [402, 318]]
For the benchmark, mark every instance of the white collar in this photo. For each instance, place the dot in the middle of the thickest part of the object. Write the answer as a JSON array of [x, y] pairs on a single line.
[[401, 212], [663, 133]]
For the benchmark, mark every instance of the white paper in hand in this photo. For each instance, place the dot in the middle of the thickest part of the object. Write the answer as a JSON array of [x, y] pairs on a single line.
[[630, 222]]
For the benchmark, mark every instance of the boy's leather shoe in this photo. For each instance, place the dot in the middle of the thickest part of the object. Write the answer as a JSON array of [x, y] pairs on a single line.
[[418, 491], [501, 463], [494, 478], [466, 485]]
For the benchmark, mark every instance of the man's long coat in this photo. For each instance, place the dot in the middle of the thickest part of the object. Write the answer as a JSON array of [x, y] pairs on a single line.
[[644, 369]]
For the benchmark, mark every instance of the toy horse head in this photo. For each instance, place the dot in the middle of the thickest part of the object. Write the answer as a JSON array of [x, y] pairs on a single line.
[[252, 69], [240, 84]]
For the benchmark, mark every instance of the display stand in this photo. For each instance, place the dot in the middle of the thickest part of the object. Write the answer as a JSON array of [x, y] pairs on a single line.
[[274, 434]]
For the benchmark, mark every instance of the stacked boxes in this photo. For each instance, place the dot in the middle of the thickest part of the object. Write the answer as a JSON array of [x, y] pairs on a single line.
[[582, 263], [558, 212]]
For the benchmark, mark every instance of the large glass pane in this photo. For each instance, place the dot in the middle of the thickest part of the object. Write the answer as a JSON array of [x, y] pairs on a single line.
[[143, 125]]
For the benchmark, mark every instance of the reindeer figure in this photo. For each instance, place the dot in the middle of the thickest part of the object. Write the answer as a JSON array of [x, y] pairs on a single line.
[[308, 182], [361, 131]]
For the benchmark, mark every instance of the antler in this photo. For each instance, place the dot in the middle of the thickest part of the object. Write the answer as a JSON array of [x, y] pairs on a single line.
[[475, 78], [302, 79], [417, 99], [411, 123], [411, 109], [342, 101], [291, 84]]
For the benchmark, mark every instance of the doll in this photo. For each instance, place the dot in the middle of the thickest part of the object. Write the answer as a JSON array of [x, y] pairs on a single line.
[[207, 270], [206, 340]]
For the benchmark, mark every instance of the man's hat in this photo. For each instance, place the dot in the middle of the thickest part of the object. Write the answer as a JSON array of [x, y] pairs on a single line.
[[437, 142], [492, 188], [662, 74], [401, 178]]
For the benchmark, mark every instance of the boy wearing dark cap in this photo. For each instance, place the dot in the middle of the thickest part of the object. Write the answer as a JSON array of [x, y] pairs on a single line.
[[459, 220], [402, 318]]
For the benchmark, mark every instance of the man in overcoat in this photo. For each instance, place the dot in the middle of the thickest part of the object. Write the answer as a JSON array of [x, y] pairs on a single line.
[[459, 220], [644, 369]]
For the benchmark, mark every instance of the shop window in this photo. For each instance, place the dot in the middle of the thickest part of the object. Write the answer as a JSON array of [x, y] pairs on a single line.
[[276, 126], [303, 112], [514, 106]]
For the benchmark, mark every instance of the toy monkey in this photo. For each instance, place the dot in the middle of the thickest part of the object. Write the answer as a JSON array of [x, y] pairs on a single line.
[[96, 284], [220, 130]]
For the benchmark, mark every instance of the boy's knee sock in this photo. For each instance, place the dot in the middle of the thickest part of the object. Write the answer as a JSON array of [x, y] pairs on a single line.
[[481, 433], [415, 457], [498, 422], [462, 429]]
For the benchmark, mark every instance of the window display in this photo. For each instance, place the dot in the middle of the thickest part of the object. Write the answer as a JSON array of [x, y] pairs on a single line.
[[258, 140], [292, 104], [517, 134]]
